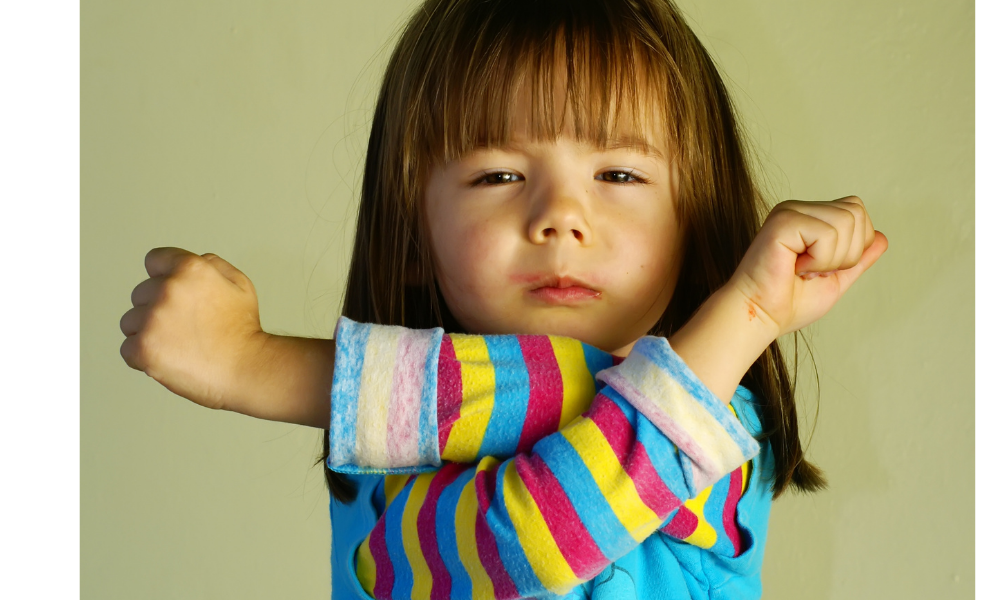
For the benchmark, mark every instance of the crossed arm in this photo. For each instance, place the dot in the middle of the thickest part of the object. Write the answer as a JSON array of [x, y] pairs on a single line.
[[540, 489]]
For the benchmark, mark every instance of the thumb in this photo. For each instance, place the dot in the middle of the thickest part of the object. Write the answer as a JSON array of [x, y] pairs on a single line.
[[872, 253], [228, 271]]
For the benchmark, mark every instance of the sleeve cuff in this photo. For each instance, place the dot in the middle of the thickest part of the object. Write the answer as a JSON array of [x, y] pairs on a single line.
[[383, 402], [655, 380]]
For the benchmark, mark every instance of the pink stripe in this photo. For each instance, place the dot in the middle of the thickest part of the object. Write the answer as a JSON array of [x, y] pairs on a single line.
[[631, 453], [383, 566], [403, 429], [427, 532], [503, 585], [486, 487], [569, 532], [682, 525], [705, 470], [546, 392], [729, 510], [449, 390]]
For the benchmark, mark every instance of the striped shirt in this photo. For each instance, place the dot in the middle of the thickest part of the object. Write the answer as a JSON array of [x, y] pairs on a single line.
[[524, 465]]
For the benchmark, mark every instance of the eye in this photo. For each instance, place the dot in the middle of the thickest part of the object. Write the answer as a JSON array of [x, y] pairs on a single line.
[[498, 178], [621, 176]]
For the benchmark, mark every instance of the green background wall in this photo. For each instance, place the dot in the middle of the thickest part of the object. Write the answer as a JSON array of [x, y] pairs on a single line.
[[238, 128]]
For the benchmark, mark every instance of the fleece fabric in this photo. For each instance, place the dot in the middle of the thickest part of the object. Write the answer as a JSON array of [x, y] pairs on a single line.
[[554, 471]]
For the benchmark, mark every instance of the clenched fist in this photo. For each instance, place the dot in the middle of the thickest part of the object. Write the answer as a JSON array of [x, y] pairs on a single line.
[[194, 326], [805, 257]]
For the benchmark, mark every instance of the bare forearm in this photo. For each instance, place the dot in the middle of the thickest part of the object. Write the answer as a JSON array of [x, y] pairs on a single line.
[[288, 380], [722, 340]]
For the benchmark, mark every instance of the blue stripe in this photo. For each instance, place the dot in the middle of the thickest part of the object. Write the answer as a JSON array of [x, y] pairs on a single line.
[[352, 338], [578, 483], [402, 585], [461, 583], [430, 454], [658, 350], [597, 360], [713, 514], [508, 544], [510, 404]]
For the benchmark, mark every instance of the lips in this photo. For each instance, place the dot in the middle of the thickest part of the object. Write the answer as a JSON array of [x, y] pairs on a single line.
[[553, 289]]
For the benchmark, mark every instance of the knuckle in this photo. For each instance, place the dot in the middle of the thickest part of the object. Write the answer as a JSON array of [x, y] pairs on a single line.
[[143, 350], [136, 296], [133, 353], [785, 207], [191, 263], [170, 291], [830, 231], [848, 219], [125, 350], [782, 215]]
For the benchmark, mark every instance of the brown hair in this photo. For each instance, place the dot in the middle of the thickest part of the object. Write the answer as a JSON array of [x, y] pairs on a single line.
[[448, 89]]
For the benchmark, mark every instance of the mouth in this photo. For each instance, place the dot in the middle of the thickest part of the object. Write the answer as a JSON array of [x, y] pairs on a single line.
[[552, 289]]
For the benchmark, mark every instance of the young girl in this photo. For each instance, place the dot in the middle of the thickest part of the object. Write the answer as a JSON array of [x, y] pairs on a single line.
[[563, 187]]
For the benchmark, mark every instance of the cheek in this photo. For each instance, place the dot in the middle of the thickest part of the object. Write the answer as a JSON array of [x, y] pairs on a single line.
[[470, 256], [651, 253]]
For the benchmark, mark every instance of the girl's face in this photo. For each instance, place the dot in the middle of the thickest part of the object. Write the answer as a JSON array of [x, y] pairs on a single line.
[[557, 237]]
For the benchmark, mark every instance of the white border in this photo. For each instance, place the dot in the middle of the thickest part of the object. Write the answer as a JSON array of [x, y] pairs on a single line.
[[40, 299]]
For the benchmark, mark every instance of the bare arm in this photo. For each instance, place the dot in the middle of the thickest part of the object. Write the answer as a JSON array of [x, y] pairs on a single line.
[[288, 380]]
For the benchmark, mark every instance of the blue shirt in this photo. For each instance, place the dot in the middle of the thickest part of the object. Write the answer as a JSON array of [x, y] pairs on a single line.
[[660, 567]]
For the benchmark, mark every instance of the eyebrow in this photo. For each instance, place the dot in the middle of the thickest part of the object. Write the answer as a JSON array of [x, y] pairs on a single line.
[[636, 144], [633, 143]]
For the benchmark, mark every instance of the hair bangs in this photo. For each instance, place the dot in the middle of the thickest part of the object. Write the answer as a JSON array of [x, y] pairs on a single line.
[[548, 69]]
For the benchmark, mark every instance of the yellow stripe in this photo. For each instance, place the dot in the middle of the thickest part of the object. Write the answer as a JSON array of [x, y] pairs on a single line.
[[704, 535], [366, 566], [577, 382], [615, 484], [540, 547], [465, 536], [478, 384], [374, 394], [411, 543], [393, 485]]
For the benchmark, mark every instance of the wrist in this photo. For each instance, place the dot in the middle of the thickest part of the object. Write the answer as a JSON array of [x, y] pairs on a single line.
[[723, 339]]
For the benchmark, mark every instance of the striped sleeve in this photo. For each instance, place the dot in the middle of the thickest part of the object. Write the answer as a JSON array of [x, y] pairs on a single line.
[[383, 402], [405, 400], [708, 520], [560, 510]]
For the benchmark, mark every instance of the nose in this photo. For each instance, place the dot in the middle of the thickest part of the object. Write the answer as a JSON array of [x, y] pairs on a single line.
[[558, 215]]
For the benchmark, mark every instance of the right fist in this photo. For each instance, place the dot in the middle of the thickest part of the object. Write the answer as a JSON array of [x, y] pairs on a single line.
[[194, 325]]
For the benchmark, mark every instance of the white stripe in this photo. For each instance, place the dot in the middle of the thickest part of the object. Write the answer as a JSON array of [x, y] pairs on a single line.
[[678, 415], [374, 396]]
